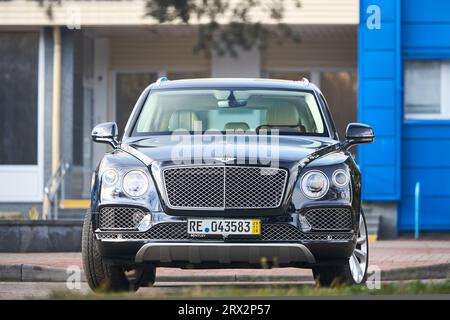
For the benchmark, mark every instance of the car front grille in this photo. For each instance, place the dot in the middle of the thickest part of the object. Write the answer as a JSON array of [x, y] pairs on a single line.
[[120, 218], [287, 232], [269, 232], [328, 219], [224, 187]]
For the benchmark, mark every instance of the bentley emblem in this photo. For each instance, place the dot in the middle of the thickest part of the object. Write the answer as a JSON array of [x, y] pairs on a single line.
[[225, 159]]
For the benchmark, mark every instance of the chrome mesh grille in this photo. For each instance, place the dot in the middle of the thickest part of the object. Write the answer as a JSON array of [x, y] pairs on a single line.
[[252, 187], [224, 187], [269, 232], [195, 187], [120, 218], [326, 219], [172, 231], [287, 232], [162, 231]]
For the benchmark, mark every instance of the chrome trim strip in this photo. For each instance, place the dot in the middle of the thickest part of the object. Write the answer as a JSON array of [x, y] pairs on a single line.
[[224, 252]]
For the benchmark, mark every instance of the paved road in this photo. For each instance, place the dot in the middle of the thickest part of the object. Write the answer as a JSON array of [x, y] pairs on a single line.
[[386, 255], [42, 290]]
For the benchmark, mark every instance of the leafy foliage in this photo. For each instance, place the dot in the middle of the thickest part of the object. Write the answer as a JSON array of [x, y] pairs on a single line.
[[224, 26], [242, 29]]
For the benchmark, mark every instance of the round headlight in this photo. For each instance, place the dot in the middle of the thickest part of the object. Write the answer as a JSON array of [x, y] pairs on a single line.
[[340, 178], [110, 177], [135, 183], [315, 184]]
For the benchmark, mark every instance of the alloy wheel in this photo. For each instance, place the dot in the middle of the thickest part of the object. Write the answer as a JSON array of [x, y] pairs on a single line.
[[358, 260]]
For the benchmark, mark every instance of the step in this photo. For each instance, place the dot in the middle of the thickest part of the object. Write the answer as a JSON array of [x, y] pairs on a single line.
[[75, 204], [71, 214], [10, 215], [373, 225]]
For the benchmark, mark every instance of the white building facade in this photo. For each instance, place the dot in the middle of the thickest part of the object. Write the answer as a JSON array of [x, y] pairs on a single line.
[[108, 61]]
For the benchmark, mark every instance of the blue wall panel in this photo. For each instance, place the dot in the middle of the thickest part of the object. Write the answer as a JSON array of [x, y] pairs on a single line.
[[426, 29], [382, 39], [432, 182], [431, 219], [426, 159], [382, 120], [378, 178], [378, 93], [379, 100], [426, 143], [420, 11], [414, 151], [378, 64], [380, 152]]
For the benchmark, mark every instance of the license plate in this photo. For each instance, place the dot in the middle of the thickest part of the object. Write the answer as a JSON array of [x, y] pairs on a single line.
[[224, 226]]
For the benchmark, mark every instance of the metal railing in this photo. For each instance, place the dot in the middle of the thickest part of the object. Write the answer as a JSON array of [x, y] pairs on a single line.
[[55, 190]]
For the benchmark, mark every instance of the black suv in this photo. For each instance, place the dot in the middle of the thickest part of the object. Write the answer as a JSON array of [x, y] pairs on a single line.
[[226, 173]]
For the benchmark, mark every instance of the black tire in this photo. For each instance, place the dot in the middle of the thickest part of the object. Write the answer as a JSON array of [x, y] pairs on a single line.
[[326, 276], [102, 276]]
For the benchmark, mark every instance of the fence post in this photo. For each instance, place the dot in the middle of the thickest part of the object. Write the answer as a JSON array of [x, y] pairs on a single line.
[[417, 210]]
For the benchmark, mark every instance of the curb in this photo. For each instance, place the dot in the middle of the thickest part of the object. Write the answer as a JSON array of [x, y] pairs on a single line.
[[436, 271], [36, 273]]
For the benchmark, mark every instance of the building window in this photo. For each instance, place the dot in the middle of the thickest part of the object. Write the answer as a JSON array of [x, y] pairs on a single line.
[[19, 53], [425, 95], [339, 89], [129, 86]]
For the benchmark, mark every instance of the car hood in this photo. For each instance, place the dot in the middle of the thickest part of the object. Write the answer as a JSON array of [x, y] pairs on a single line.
[[166, 149]]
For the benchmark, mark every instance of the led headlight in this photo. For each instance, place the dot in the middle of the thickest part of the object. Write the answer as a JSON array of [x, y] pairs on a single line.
[[135, 183], [315, 184], [340, 178], [110, 177]]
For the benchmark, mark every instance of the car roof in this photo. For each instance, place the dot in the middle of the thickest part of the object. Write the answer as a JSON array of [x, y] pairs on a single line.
[[164, 83]]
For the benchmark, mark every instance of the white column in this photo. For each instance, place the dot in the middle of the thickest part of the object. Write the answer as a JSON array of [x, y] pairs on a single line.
[[100, 112], [315, 77]]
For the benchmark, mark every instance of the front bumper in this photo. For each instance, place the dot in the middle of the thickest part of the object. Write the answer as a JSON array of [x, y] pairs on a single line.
[[167, 244], [225, 253], [204, 255], [280, 243]]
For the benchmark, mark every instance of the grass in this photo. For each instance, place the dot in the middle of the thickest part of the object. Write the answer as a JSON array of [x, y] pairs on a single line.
[[236, 291]]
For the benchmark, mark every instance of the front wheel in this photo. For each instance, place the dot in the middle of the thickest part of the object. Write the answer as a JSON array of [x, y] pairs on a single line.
[[354, 271], [103, 276]]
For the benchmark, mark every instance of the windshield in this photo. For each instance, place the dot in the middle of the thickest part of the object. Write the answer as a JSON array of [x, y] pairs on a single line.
[[291, 112]]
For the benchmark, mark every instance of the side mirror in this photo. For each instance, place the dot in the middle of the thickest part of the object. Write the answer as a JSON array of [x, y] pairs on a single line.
[[358, 133], [106, 132]]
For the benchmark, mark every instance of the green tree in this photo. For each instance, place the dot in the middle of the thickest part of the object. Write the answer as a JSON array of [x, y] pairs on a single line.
[[242, 29]]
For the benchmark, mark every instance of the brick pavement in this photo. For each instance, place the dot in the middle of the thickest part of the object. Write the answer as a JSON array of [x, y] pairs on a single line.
[[387, 255]]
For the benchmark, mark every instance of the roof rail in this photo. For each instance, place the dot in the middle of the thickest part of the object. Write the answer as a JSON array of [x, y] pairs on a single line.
[[305, 81], [161, 79]]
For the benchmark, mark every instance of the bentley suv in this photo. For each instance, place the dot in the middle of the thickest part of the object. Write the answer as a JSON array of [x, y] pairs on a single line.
[[226, 173]]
